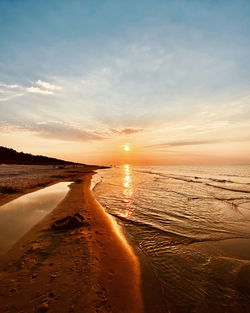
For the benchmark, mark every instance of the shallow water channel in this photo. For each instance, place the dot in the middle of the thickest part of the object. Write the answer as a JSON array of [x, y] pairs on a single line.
[[19, 215]]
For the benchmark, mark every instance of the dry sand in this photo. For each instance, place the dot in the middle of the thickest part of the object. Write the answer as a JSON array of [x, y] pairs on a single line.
[[87, 269]]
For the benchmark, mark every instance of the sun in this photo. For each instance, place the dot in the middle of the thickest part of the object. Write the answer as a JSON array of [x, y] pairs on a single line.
[[126, 147]]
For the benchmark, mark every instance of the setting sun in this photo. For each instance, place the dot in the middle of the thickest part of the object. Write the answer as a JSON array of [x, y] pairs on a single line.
[[126, 147]]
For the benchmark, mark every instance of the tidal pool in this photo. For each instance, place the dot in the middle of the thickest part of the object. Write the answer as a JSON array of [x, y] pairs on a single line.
[[19, 215]]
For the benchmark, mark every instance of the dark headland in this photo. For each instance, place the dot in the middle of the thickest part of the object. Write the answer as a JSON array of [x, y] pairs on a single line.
[[11, 156]]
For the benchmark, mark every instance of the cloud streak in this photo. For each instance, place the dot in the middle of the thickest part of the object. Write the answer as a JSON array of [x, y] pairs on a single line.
[[9, 97], [65, 132], [44, 88], [195, 142], [55, 131], [9, 86], [10, 91], [47, 85], [126, 131], [39, 90]]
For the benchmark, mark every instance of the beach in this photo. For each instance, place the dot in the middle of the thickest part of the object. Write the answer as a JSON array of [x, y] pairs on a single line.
[[138, 239], [91, 268]]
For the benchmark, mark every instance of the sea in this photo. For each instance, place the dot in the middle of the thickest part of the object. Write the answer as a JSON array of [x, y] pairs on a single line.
[[192, 225]]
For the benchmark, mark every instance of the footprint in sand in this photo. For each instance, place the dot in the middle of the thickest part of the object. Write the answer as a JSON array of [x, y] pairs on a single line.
[[111, 273]]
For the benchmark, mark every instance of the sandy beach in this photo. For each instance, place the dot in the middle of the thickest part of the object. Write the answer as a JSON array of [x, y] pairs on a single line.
[[91, 268]]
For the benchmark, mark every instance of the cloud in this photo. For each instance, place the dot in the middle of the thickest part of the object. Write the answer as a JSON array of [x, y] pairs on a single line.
[[44, 88], [9, 92], [54, 130], [196, 142], [47, 85], [6, 98], [65, 132], [9, 86], [185, 143], [39, 90], [126, 131]]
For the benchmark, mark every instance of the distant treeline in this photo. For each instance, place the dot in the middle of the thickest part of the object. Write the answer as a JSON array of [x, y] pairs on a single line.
[[10, 156]]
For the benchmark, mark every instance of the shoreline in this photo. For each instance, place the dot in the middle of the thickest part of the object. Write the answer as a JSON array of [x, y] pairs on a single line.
[[87, 269], [44, 179], [153, 297]]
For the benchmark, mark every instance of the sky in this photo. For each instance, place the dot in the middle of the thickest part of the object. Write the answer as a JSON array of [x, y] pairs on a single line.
[[80, 80]]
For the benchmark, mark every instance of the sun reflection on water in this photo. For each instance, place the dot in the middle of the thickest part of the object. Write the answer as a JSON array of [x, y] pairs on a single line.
[[127, 190]]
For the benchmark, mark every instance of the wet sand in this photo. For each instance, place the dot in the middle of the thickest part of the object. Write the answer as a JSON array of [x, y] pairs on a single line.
[[87, 269]]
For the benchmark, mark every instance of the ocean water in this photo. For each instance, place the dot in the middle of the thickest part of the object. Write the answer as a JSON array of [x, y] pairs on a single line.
[[192, 223]]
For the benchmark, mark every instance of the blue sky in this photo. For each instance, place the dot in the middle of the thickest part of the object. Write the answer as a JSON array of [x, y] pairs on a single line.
[[157, 74]]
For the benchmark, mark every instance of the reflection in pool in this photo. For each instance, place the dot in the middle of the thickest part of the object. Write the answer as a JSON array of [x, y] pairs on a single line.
[[19, 215]]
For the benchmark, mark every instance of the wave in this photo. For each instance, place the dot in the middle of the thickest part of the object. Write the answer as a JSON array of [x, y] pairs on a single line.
[[201, 180], [96, 179], [229, 189], [176, 238]]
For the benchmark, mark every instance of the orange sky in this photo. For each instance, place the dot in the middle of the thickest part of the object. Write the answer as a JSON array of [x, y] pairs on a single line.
[[111, 151]]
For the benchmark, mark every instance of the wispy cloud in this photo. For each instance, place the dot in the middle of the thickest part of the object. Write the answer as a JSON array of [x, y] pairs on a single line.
[[39, 90], [9, 86], [196, 142], [7, 98], [126, 131], [66, 132], [63, 131], [47, 85], [44, 88], [10, 91], [55, 131]]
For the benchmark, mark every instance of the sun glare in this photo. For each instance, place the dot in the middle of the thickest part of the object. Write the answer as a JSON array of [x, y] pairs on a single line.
[[126, 147]]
